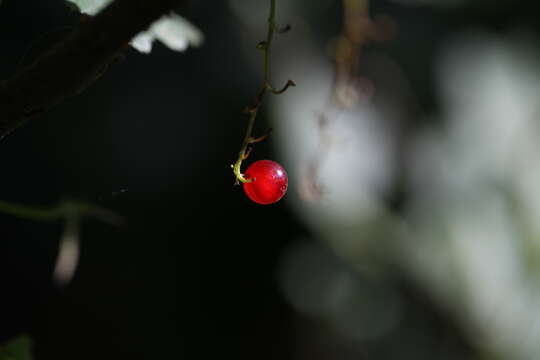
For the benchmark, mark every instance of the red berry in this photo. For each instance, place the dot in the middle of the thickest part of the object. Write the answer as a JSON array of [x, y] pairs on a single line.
[[269, 182]]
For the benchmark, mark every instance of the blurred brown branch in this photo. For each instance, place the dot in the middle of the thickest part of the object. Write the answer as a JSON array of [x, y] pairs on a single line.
[[73, 64], [349, 87], [358, 30]]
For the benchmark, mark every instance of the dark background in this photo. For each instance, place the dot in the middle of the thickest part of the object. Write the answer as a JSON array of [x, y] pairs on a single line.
[[194, 275]]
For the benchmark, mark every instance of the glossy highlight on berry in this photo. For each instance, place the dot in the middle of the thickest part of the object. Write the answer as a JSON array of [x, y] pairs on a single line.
[[269, 182]]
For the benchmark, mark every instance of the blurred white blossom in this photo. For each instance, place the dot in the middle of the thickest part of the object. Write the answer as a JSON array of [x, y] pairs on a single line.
[[356, 167], [472, 235], [475, 196], [68, 252], [172, 30]]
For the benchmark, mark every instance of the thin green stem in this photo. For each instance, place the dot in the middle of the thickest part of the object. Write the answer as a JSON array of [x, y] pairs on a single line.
[[242, 154], [269, 37], [31, 212], [266, 86], [63, 210]]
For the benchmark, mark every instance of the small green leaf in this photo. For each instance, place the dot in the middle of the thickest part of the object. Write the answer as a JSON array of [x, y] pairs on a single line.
[[16, 349]]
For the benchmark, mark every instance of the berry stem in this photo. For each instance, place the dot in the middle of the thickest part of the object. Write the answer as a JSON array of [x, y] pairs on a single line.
[[265, 88], [242, 155]]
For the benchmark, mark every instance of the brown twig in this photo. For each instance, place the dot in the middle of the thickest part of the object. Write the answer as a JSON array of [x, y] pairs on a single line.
[[72, 65]]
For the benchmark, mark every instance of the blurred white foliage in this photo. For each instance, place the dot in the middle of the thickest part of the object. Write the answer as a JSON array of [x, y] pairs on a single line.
[[474, 187], [476, 200], [357, 168], [172, 30]]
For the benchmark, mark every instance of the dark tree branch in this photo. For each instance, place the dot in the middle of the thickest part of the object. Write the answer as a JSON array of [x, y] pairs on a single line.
[[72, 65]]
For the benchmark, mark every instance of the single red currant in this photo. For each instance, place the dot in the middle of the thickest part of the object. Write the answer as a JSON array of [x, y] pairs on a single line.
[[269, 182]]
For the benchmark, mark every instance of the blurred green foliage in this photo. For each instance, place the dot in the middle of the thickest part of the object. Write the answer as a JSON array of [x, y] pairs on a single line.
[[16, 349]]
